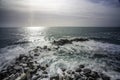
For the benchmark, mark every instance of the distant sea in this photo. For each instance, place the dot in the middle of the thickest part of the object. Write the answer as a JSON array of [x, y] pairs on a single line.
[[101, 52]]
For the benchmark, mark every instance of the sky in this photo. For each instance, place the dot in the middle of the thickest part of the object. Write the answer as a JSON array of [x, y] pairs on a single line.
[[82, 13]]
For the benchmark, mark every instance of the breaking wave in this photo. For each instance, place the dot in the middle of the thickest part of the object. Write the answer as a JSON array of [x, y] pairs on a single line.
[[98, 56]]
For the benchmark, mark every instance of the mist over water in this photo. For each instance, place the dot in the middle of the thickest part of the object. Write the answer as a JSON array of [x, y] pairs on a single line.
[[101, 53]]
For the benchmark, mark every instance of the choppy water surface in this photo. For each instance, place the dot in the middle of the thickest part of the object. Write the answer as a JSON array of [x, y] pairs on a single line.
[[100, 53]]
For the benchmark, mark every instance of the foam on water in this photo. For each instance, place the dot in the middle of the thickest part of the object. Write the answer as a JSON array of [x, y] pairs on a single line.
[[93, 54]]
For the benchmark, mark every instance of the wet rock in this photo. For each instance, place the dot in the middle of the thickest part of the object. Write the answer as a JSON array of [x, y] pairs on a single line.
[[35, 50], [69, 71], [54, 77], [90, 78], [23, 65], [44, 76], [33, 71], [21, 56], [79, 39], [77, 76], [18, 68], [45, 72], [104, 77], [81, 66], [26, 69], [87, 72], [3, 74], [42, 68], [94, 75], [62, 42], [63, 69], [47, 65], [36, 54], [49, 49], [45, 47], [35, 77], [22, 77], [69, 78], [68, 41], [78, 70]]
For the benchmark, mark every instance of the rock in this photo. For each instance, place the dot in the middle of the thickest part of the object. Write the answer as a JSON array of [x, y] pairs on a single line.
[[62, 42], [35, 50], [94, 75], [104, 77], [69, 71], [68, 41], [47, 65], [3, 75], [26, 69], [33, 71], [54, 77], [81, 66], [22, 77], [22, 64], [78, 70], [30, 64], [45, 47], [87, 72], [43, 68], [77, 76], [21, 56], [49, 49], [36, 54], [63, 69], [69, 78], [18, 68], [44, 76], [90, 78], [35, 77], [79, 39], [45, 72]]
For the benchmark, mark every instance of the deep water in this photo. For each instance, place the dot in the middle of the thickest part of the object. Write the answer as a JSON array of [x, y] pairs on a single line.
[[100, 53]]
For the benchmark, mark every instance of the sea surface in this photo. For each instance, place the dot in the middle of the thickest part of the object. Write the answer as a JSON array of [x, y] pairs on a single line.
[[101, 53]]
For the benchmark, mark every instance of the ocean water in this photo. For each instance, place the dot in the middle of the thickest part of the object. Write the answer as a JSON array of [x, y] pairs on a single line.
[[101, 53]]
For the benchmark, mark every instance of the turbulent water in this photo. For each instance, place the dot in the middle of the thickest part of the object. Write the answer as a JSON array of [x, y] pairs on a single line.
[[100, 53]]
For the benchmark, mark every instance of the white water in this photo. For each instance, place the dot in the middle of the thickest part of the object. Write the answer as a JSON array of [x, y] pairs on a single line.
[[69, 56]]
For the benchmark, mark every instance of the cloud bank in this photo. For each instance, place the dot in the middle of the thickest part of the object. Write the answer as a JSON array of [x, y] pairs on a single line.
[[88, 13]]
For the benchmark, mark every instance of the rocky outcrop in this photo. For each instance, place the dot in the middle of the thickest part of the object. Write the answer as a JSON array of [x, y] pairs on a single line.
[[68, 41], [26, 68]]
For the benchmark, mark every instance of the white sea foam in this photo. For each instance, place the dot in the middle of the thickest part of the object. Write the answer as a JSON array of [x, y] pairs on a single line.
[[69, 56]]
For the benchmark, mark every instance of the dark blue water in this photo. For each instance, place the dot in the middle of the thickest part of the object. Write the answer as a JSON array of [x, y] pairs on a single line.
[[11, 36], [101, 53]]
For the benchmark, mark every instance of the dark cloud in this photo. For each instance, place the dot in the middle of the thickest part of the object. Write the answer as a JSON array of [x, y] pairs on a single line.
[[114, 3], [13, 18]]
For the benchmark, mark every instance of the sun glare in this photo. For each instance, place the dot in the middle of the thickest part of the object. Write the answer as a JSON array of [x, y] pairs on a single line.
[[35, 28]]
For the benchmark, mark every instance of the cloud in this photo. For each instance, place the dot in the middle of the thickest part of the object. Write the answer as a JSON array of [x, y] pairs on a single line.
[[60, 13], [112, 3]]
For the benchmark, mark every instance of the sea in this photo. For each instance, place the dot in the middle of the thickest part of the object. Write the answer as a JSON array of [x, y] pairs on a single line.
[[101, 53]]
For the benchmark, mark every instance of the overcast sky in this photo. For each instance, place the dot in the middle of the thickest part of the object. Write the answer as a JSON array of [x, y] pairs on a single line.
[[83, 13]]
